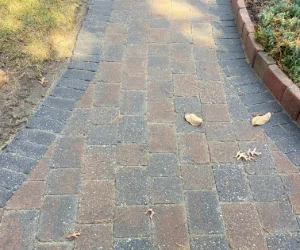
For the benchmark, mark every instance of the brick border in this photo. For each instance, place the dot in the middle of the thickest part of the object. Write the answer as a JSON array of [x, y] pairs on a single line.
[[277, 82]]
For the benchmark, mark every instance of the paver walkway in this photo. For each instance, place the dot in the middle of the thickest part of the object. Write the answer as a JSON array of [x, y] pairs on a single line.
[[125, 148]]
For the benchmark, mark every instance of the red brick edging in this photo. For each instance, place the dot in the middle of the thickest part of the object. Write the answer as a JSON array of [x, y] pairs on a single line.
[[287, 93]]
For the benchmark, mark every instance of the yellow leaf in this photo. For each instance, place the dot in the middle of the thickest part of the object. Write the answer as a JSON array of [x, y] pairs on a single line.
[[193, 119], [261, 119]]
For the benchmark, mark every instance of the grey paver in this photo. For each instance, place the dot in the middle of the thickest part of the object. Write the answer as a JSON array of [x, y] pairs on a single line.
[[133, 103], [262, 164], [71, 83], [204, 212], [82, 65], [209, 242], [113, 53], [78, 124], [5, 194], [10, 179], [68, 153], [133, 244], [79, 74], [27, 149], [187, 104], [132, 129], [265, 107], [59, 103], [131, 186], [57, 213], [16, 163], [53, 113], [166, 190], [67, 93], [232, 183], [43, 123], [267, 188], [103, 135], [163, 165], [36, 136], [219, 131], [284, 241]]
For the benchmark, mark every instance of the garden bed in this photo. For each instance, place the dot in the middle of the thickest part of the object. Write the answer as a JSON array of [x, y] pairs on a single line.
[[283, 88]]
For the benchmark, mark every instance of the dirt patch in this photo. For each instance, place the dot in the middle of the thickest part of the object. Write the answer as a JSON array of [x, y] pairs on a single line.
[[254, 7], [20, 97]]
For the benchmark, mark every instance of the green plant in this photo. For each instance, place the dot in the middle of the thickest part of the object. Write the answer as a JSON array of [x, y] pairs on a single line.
[[278, 31]]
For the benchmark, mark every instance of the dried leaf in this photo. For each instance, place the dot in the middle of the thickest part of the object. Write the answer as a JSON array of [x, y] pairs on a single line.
[[241, 155], [253, 152], [43, 82], [181, 246], [261, 119], [151, 212], [193, 119], [73, 235]]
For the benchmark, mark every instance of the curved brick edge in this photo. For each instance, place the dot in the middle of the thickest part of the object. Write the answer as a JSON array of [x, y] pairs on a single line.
[[287, 93], [29, 145]]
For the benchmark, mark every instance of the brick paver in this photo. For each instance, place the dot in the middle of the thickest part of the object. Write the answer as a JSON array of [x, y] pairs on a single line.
[[111, 142]]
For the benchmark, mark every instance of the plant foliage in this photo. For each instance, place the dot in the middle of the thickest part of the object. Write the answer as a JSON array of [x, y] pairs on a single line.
[[278, 31]]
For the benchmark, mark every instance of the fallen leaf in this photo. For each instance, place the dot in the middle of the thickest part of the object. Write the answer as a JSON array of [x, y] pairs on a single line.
[[151, 212], [180, 245], [253, 152], [261, 119], [43, 82], [241, 155], [193, 119], [73, 235]]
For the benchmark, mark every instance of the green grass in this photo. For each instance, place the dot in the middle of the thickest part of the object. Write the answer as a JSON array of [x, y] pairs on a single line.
[[34, 31], [278, 31]]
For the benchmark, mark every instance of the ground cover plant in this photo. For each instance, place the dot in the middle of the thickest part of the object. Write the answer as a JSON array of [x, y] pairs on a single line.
[[278, 30]]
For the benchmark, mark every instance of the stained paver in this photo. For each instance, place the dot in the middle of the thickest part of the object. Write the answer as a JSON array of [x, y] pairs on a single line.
[[110, 142]]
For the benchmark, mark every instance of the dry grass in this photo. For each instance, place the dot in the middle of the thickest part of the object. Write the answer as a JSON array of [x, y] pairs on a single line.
[[35, 31]]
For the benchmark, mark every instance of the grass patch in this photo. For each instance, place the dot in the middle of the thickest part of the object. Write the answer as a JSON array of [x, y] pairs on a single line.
[[278, 31], [35, 31]]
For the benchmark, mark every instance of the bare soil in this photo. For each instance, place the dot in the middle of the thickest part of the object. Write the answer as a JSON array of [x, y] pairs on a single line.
[[254, 7], [20, 97]]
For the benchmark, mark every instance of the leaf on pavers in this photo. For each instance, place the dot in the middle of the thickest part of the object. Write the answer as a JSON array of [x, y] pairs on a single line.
[[241, 155], [43, 82], [73, 235], [261, 119], [247, 156], [253, 152], [193, 119], [181, 246], [151, 212], [116, 119]]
